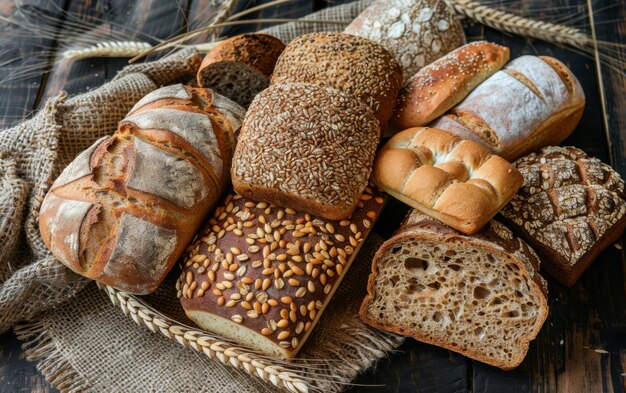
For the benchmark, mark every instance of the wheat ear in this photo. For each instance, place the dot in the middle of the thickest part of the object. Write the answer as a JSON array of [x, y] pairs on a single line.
[[515, 24], [108, 49]]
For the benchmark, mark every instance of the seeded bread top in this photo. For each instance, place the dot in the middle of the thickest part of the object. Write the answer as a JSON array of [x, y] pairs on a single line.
[[351, 64], [309, 142], [271, 269], [569, 200]]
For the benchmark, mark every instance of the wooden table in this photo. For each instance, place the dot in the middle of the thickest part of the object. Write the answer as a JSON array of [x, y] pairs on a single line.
[[582, 346]]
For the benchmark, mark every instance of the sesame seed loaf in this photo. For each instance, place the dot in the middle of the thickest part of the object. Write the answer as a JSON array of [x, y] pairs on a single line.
[[415, 32], [308, 147], [479, 295], [240, 67], [547, 99], [262, 275], [351, 64], [458, 182], [445, 82], [571, 207], [125, 209]]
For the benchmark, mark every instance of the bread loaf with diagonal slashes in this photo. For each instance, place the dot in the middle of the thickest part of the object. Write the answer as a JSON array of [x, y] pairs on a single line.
[[531, 103], [125, 209], [572, 206], [262, 275], [479, 295]]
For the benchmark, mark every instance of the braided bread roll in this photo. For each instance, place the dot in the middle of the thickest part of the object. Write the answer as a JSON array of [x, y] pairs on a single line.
[[123, 211]]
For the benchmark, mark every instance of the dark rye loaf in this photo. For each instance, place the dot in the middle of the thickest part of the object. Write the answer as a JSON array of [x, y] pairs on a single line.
[[262, 275], [479, 295], [571, 207], [125, 209]]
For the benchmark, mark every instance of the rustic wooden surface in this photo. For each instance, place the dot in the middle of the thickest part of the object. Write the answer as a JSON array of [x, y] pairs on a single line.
[[582, 346]]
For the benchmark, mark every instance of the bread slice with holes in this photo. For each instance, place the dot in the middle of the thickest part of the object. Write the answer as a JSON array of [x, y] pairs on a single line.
[[478, 295]]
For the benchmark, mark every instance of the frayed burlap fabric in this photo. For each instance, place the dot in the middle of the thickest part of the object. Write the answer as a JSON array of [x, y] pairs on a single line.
[[80, 341]]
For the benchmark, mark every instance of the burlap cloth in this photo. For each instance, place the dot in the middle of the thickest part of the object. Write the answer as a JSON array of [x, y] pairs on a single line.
[[79, 340]]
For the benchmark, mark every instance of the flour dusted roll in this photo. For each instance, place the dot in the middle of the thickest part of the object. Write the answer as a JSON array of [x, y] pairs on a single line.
[[531, 103], [123, 211], [262, 275]]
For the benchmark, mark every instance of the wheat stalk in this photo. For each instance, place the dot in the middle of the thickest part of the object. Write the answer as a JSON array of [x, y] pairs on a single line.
[[223, 14], [504, 21], [108, 49]]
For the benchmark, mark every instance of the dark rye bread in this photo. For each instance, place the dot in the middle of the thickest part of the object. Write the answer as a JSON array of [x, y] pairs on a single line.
[[348, 63], [240, 67], [308, 147], [479, 295], [125, 209], [262, 275], [571, 207]]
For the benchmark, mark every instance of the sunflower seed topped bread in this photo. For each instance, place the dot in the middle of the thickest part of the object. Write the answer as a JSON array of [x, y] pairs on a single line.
[[445, 82], [531, 103], [262, 275], [125, 209], [241, 66], [308, 147], [479, 295], [456, 181], [415, 32], [571, 207], [351, 64]]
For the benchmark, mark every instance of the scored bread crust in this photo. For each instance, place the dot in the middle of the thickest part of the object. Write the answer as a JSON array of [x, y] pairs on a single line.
[[456, 181], [415, 32], [572, 206], [352, 64], [495, 239], [445, 82], [254, 53], [262, 275], [296, 151], [548, 103], [124, 210]]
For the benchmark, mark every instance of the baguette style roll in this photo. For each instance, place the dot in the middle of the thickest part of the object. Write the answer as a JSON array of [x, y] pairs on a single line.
[[445, 82], [262, 275], [125, 209], [571, 207], [456, 181], [415, 32], [240, 67], [305, 146], [533, 102], [354, 65], [479, 295]]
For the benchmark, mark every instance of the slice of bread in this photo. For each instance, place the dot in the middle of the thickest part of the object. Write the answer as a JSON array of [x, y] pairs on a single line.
[[478, 295]]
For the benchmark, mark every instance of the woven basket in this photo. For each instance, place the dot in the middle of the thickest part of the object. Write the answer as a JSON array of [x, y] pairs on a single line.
[[162, 313]]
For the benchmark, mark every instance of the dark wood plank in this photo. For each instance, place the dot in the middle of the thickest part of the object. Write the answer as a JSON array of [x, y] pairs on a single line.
[[24, 57], [17, 375]]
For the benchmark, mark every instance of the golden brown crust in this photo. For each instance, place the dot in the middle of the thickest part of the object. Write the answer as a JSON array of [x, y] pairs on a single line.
[[123, 211], [419, 226], [456, 181], [548, 102], [445, 82], [348, 63], [270, 270]]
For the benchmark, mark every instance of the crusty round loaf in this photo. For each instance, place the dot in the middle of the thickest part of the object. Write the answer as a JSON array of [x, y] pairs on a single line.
[[445, 82], [125, 209], [308, 147], [241, 66], [415, 32], [262, 275], [351, 64]]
